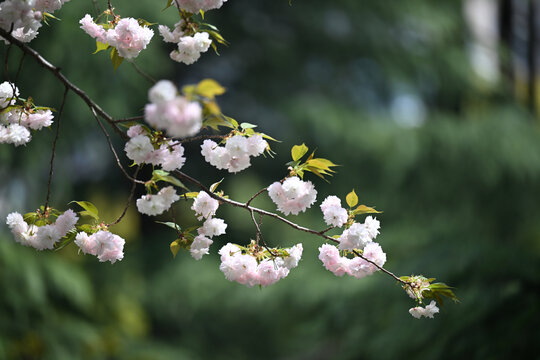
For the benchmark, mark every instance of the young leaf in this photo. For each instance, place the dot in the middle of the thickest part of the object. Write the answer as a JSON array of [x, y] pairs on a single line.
[[175, 247], [214, 186], [246, 125], [90, 209], [116, 59], [209, 88], [363, 209], [352, 199], [100, 46], [298, 151], [170, 224]]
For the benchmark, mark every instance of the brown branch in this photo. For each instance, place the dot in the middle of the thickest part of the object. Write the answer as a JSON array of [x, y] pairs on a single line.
[[280, 218], [54, 148], [143, 73], [257, 194], [58, 74], [114, 151], [201, 137], [259, 234], [130, 198], [129, 119]]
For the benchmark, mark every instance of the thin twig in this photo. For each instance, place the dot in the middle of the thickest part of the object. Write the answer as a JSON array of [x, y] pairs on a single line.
[[19, 68], [257, 194], [57, 73], [280, 218], [143, 73], [326, 230], [54, 147], [114, 151], [129, 119], [259, 234], [201, 137], [130, 198]]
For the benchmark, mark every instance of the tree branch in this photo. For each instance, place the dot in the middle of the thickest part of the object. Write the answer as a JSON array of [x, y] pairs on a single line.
[[58, 74], [54, 147], [280, 218]]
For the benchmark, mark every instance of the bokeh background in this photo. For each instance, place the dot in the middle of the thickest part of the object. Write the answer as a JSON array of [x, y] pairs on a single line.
[[431, 108]]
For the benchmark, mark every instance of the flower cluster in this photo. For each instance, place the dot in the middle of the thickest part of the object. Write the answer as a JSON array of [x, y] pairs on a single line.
[[103, 244], [293, 196], [25, 16], [128, 37], [357, 267], [334, 214], [169, 155], [171, 112], [158, 203], [189, 47], [247, 270], [359, 235], [235, 155], [15, 121], [428, 311], [194, 6], [201, 243], [41, 237], [204, 205]]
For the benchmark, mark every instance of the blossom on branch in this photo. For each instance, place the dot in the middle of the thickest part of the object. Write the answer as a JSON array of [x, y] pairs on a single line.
[[41, 237], [293, 196], [246, 269], [174, 114], [235, 155], [103, 244]]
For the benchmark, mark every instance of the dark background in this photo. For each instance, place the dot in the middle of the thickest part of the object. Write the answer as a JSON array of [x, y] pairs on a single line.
[[449, 150]]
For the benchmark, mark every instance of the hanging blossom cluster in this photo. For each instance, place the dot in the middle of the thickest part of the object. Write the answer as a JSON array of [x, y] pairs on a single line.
[[157, 204], [428, 311], [168, 155], [235, 155], [245, 268], [103, 244], [41, 237], [357, 266], [128, 36], [171, 112], [25, 16], [293, 195], [189, 47], [205, 207], [16, 120], [334, 214]]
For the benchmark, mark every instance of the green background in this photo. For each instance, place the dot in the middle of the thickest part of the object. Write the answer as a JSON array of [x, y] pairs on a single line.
[[383, 88]]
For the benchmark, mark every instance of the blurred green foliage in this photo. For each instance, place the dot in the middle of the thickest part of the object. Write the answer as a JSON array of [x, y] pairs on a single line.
[[459, 193]]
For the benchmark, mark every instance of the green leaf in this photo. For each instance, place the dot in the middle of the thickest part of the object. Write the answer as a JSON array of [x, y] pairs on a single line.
[[246, 125], [175, 247], [66, 240], [170, 224], [190, 195], [100, 46], [352, 199], [161, 175], [209, 88], [214, 186], [216, 121], [116, 59], [90, 209], [298, 151], [363, 209], [169, 4]]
